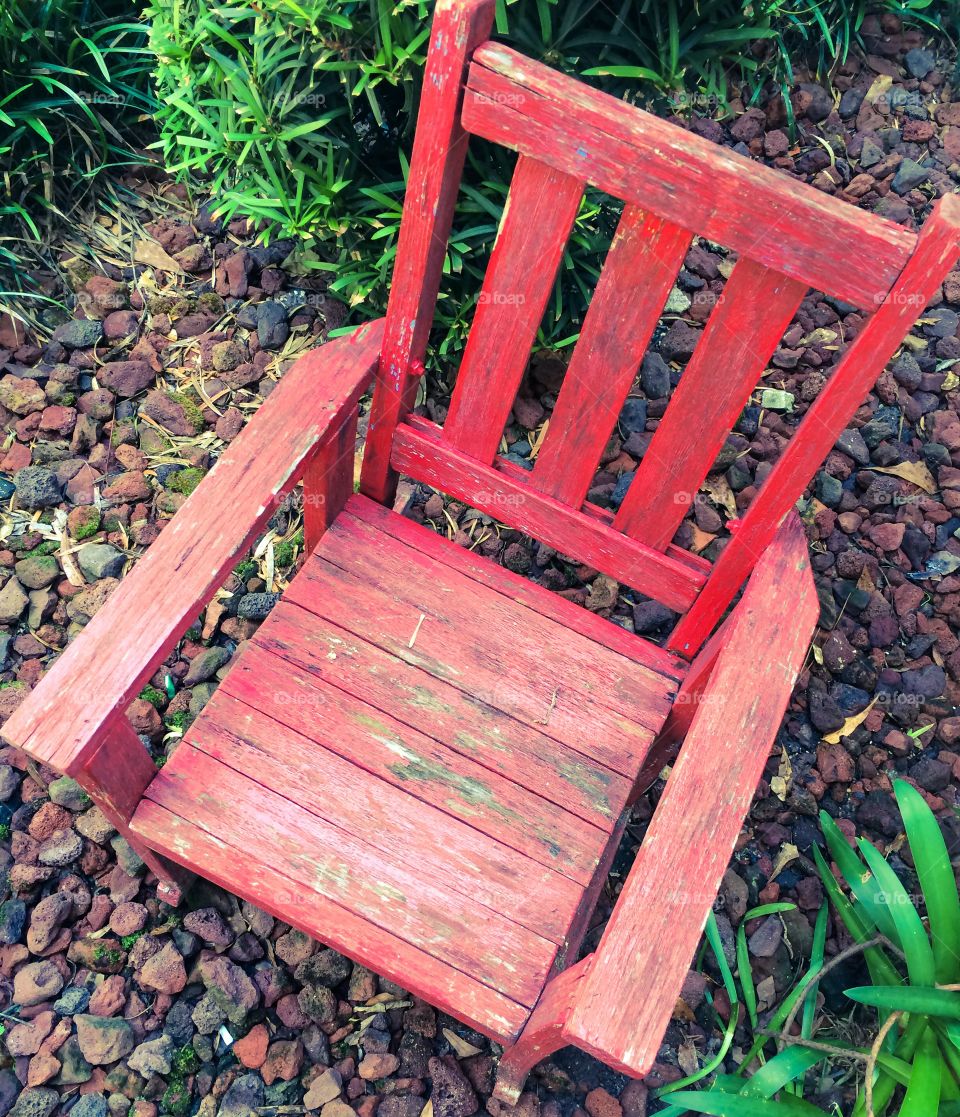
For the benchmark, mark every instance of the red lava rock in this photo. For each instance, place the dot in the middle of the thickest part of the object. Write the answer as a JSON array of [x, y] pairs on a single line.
[[284, 1060], [120, 324], [126, 378], [251, 1049], [290, 1013], [169, 413], [36, 983], [835, 763], [46, 920], [58, 420], [129, 487], [25, 1039], [229, 424], [600, 1103], [887, 537], [235, 272], [47, 820], [108, 294], [128, 918], [42, 1068], [209, 925], [109, 997], [633, 1099], [165, 971], [378, 1066]]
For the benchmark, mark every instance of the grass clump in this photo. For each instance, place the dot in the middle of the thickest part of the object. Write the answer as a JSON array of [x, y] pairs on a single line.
[[300, 116], [912, 1066]]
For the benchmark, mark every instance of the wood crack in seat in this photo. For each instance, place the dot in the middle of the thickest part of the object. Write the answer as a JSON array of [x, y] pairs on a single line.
[[374, 764]]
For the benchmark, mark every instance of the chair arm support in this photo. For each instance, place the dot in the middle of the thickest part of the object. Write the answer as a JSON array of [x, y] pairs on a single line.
[[624, 1002], [64, 719]]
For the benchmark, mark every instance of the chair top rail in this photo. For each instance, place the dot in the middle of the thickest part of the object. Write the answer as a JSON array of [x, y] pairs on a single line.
[[759, 212]]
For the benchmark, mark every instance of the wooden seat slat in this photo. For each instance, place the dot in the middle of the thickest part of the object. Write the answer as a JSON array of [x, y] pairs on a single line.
[[459, 605], [479, 669], [382, 746], [517, 588], [319, 856], [376, 809], [513, 750]]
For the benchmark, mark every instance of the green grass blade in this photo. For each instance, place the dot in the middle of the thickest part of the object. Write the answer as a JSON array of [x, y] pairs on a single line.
[[923, 1094], [911, 932], [937, 880], [908, 998]]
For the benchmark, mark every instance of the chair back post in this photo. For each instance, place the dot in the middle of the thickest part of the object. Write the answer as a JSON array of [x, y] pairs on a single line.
[[865, 358], [439, 150]]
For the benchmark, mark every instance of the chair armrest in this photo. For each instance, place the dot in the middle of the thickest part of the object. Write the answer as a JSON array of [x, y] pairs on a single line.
[[624, 1002], [63, 720]]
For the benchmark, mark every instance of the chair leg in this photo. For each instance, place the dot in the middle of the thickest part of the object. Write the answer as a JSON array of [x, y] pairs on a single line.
[[542, 1035], [115, 777]]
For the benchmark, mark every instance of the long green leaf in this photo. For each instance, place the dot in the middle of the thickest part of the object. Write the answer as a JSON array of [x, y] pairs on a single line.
[[937, 880], [908, 998]]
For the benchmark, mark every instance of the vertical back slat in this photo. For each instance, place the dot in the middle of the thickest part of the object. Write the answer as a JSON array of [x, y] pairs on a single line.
[[439, 148], [739, 338], [540, 210], [640, 269], [861, 364]]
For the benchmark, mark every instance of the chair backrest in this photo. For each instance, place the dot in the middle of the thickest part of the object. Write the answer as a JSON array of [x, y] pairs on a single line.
[[788, 238]]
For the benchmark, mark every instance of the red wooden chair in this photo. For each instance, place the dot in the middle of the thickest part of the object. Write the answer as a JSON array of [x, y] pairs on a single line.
[[421, 758]]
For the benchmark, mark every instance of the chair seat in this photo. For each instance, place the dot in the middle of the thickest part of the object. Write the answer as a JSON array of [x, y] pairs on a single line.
[[424, 761]]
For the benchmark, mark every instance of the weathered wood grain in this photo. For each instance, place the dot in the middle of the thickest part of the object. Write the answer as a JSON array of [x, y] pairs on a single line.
[[410, 833], [62, 721], [462, 606], [493, 491], [279, 888], [320, 857], [379, 744], [638, 275], [862, 362], [517, 588], [328, 479], [439, 149], [741, 334], [542, 703], [658, 918], [537, 219], [459, 720], [668, 740], [762, 214]]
